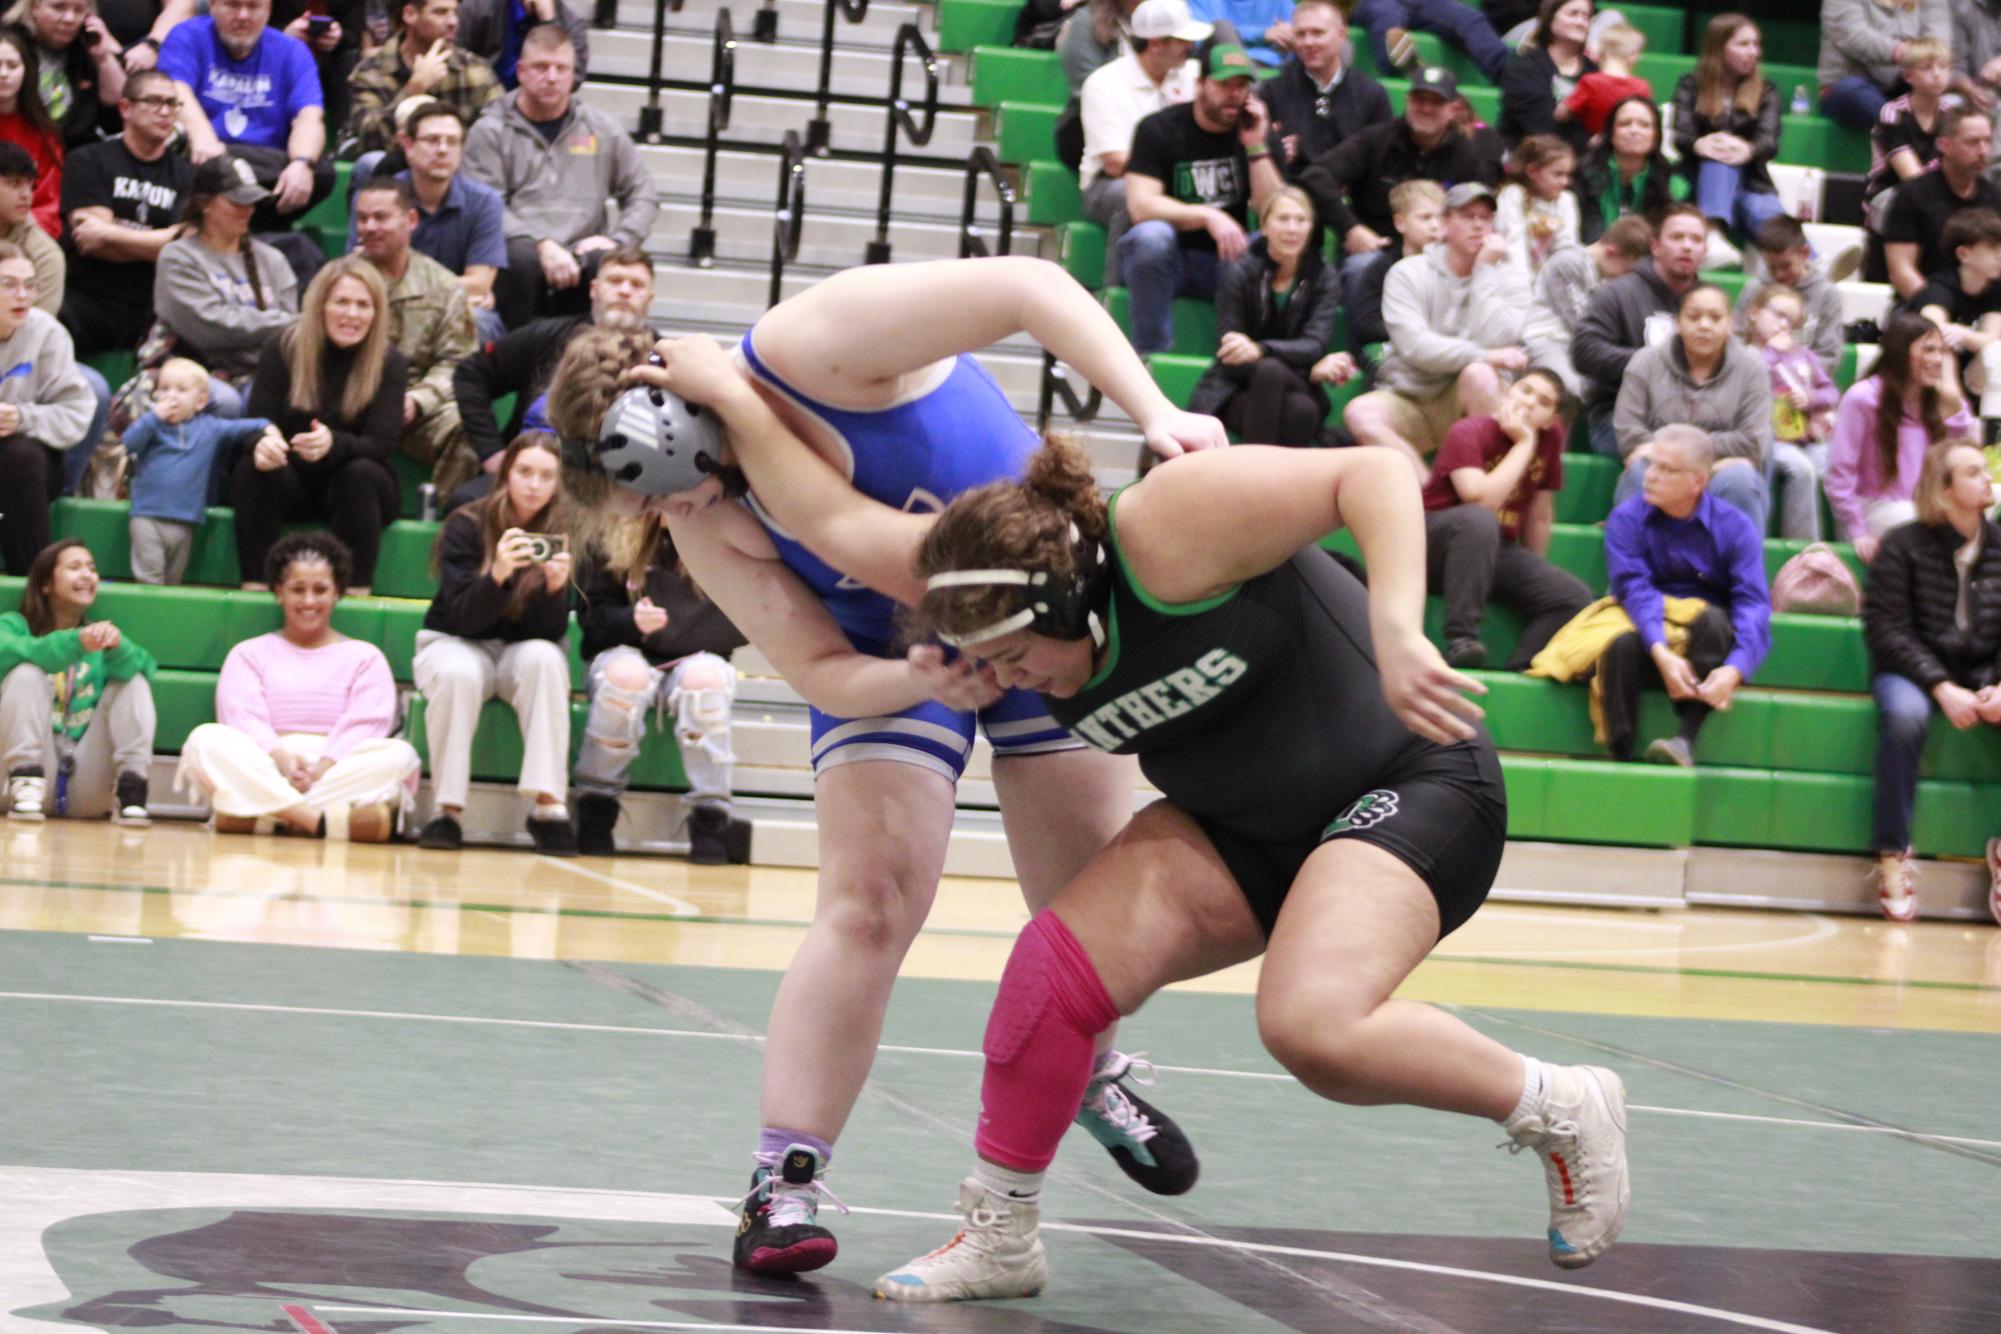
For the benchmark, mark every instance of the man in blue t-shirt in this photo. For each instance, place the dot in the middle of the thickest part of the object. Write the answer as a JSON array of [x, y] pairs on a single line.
[[253, 92]]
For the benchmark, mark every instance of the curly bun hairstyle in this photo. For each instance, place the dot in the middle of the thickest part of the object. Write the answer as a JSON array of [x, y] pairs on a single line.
[[1021, 525], [312, 548]]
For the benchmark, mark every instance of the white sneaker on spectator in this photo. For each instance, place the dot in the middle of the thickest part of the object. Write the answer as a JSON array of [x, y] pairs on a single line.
[[1896, 886], [26, 794], [1721, 254]]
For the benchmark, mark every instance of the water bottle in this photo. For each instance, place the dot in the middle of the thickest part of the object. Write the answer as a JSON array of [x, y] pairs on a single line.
[[1801, 104], [427, 502]]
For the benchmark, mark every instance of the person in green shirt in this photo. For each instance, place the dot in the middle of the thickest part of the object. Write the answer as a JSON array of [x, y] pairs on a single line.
[[76, 699]]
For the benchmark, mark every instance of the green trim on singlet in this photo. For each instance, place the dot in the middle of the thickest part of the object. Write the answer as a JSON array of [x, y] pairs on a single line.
[[1111, 647], [1139, 589]]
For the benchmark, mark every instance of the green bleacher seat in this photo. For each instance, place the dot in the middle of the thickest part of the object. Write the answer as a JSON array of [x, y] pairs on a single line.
[[1025, 132], [1194, 322], [1051, 194], [1662, 24], [327, 220], [1080, 249], [1010, 74], [965, 24], [115, 367], [1431, 50], [1818, 141]]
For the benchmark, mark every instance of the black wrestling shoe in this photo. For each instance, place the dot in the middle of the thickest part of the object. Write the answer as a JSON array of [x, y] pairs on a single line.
[[442, 834], [596, 816], [553, 836], [780, 1233], [1145, 1143], [708, 836]]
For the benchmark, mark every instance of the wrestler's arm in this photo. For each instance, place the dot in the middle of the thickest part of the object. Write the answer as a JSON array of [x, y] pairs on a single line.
[[848, 337], [1214, 520]]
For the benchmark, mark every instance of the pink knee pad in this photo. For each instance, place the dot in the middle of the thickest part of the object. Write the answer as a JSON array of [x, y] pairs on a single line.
[[1039, 1046]]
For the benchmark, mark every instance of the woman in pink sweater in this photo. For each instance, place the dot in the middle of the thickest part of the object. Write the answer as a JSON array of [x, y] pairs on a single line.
[[1884, 426], [303, 717]]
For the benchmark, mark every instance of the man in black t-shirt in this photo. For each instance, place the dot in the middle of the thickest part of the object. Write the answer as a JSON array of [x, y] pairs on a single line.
[[1913, 231], [120, 201], [1194, 173], [1964, 299]]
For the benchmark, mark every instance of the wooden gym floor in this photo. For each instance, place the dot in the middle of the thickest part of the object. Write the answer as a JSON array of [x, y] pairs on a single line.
[[271, 1084]]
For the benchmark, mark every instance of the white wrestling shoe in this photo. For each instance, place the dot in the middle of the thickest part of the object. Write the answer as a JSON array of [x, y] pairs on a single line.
[[1580, 1134], [998, 1253]]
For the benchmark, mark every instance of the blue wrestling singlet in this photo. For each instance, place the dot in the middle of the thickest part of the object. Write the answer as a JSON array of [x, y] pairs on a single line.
[[958, 433]]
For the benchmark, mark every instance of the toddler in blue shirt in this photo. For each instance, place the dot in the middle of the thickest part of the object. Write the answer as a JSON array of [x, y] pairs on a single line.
[[173, 450]]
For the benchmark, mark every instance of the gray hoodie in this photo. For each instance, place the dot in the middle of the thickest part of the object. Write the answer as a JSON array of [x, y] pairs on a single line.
[[557, 189], [1861, 37], [1440, 323], [1563, 287], [1824, 323], [1622, 317], [38, 375], [1734, 405], [207, 300]]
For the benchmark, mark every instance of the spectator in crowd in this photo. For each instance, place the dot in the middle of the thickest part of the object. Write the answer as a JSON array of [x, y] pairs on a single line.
[[1803, 402], [24, 121], [557, 163], [1860, 42], [176, 449], [429, 322], [497, 32], [1544, 72], [1455, 317], [79, 66], [1883, 427], [1689, 572], [522, 363], [1904, 140], [1964, 300], [17, 224], [1626, 172], [1091, 38], [419, 60], [1391, 23], [1701, 377], [253, 92], [1535, 213], [1633, 312], [1195, 172], [1588, 107], [1564, 288], [334, 31], [122, 202], [1417, 216], [1489, 503], [1916, 219], [1788, 262], [1262, 27], [1975, 49], [1275, 312], [1317, 99], [303, 717], [1151, 77], [333, 385], [139, 26], [1932, 619], [218, 291], [76, 699], [498, 628], [1726, 129], [1351, 185], [45, 410]]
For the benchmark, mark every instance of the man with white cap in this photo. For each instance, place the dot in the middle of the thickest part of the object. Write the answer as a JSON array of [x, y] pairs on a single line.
[[1153, 74]]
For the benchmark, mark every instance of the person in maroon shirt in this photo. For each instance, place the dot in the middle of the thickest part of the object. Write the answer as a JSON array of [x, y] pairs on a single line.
[[1489, 503]]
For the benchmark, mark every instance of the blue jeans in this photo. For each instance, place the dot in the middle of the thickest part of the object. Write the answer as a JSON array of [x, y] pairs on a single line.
[[1604, 440], [1157, 269], [1746, 488], [1462, 25], [76, 460], [1855, 102], [1720, 194], [1903, 717]]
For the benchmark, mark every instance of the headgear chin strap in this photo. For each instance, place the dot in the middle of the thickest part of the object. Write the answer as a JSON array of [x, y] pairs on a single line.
[[1061, 607]]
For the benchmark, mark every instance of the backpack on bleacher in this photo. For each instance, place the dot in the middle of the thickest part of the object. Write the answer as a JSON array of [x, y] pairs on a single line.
[[1817, 582]]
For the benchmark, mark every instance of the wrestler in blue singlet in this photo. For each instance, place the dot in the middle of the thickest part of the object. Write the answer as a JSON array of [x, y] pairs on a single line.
[[958, 433]]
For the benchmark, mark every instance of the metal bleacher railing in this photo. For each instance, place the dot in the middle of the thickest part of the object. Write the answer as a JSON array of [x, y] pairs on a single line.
[[908, 41], [722, 95]]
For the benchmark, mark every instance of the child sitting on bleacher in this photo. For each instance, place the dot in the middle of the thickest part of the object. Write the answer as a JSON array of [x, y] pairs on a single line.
[[1417, 212], [1565, 285], [1964, 300], [1535, 213], [1788, 261], [1614, 81], [174, 451], [1803, 402]]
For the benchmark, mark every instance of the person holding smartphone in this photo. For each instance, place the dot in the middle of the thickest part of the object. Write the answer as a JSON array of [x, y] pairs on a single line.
[[499, 628]]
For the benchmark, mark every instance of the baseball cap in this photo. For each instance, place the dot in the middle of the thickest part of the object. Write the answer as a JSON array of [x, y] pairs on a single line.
[[231, 178], [1434, 79], [1168, 18], [1224, 60], [1467, 192]]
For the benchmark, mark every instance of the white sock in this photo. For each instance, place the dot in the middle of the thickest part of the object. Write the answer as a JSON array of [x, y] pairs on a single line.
[[1535, 1091], [1008, 1183]]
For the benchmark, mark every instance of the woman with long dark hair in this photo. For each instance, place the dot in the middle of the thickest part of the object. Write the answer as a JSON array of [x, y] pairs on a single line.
[[25, 121], [333, 386], [1726, 129], [1544, 72], [1626, 172], [1883, 427], [82, 65], [76, 700]]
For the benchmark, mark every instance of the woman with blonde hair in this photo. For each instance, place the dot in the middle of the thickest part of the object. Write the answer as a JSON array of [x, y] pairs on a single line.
[[1726, 128], [333, 386]]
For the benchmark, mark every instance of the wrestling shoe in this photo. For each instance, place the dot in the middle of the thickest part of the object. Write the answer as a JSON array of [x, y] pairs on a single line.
[[1580, 1134], [779, 1234], [998, 1253], [1896, 886], [597, 816], [1145, 1143]]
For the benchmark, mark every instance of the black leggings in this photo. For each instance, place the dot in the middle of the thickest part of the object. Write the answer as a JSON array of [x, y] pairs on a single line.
[[1627, 666], [355, 500], [1278, 407], [31, 476]]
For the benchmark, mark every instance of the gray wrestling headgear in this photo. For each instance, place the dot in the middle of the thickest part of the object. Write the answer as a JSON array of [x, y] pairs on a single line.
[[656, 443]]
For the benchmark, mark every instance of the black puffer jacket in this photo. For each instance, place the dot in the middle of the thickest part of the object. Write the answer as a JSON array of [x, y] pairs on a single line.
[[1297, 335], [1909, 610]]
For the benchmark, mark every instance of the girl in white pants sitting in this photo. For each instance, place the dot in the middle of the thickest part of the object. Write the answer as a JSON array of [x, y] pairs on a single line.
[[76, 703], [303, 716], [498, 628]]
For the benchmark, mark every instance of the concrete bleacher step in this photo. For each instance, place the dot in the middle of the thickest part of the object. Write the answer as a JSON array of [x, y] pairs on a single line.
[[765, 120], [828, 239], [749, 179], [686, 58]]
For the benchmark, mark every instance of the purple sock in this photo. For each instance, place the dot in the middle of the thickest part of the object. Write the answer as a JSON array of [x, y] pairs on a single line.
[[773, 1141]]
